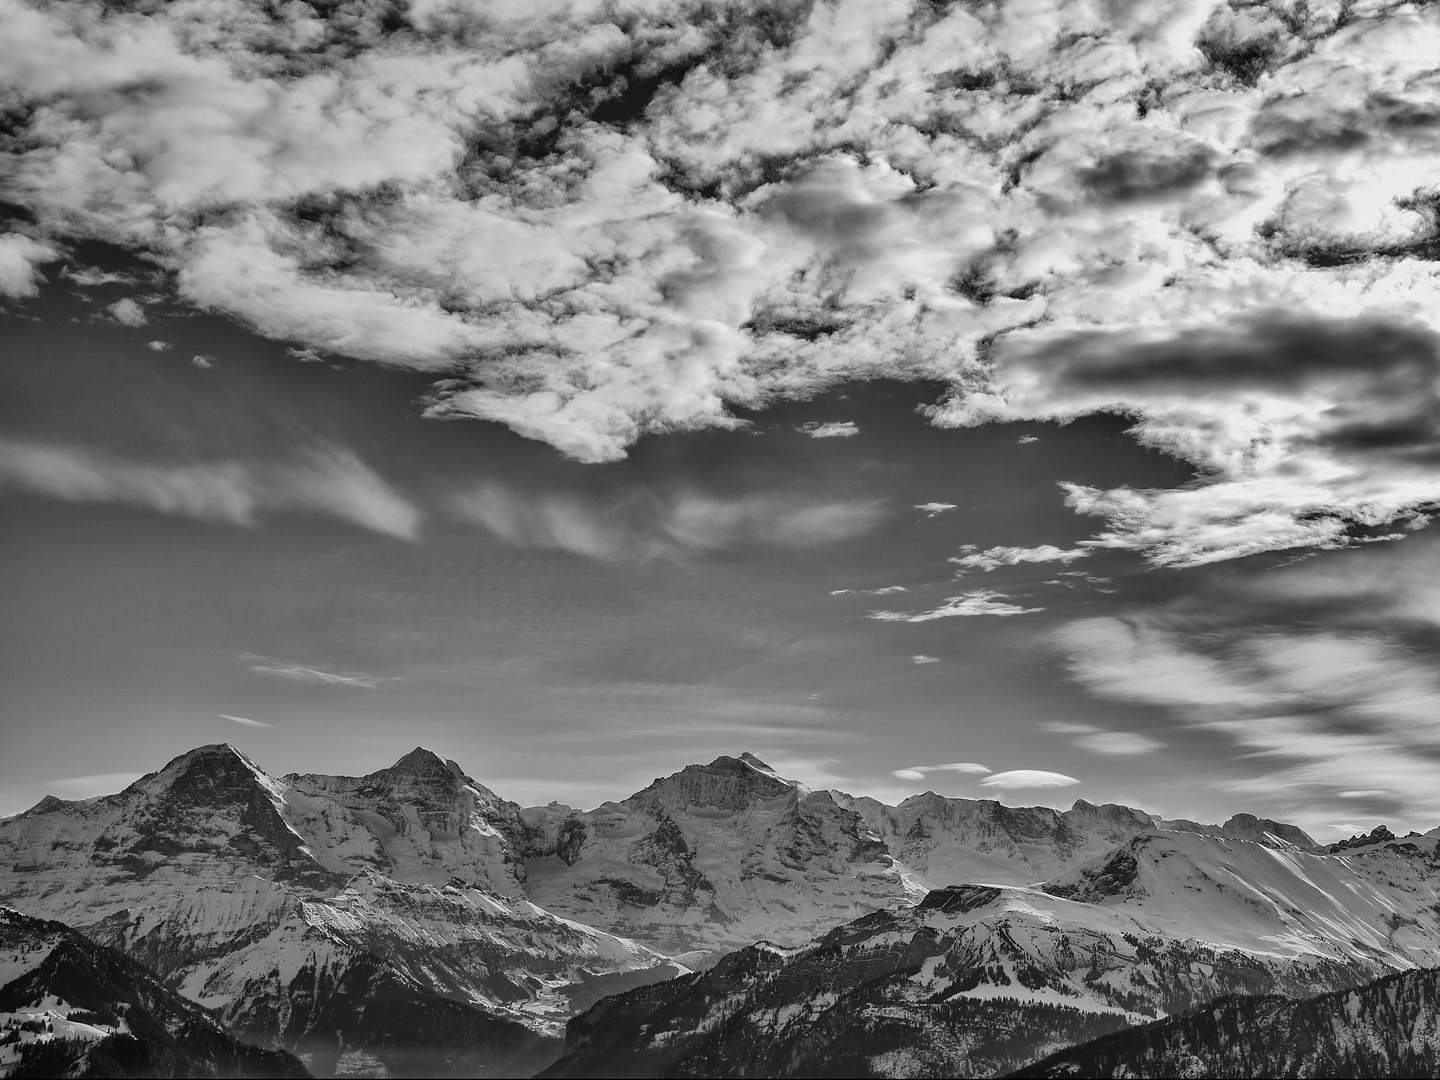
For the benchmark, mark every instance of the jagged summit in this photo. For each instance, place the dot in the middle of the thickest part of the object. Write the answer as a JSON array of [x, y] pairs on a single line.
[[423, 762], [1249, 827], [210, 774], [727, 783]]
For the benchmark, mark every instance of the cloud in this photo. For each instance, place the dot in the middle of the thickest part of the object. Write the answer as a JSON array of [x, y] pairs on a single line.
[[245, 720], [650, 527], [1099, 741], [205, 363], [1003, 202], [127, 312], [160, 346], [995, 557], [87, 787], [1025, 440], [1310, 712], [89, 277], [841, 429], [268, 665], [978, 602], [20, 261], [921, 658], [918, 772], [1028, 778], [331, 481], [932, 508]]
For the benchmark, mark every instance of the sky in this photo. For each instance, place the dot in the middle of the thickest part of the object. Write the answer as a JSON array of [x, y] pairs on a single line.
[[1033, 401]]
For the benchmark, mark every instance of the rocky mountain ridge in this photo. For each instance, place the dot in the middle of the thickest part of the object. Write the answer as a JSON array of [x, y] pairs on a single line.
[[978, 980]]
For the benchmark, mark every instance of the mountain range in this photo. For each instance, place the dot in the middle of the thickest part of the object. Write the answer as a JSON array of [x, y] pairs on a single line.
[[724, 920]]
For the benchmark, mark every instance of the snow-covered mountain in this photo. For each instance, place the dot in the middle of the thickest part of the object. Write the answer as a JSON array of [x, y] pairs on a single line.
[[70, 1007], [713, 856], [276, 901], [416, 920], [1388, 1028], [718, 856], [978, 980]]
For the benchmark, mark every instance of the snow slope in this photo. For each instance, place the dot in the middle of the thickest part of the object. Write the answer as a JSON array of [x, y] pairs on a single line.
[[978, 979], [260, 955], [70, 1007]]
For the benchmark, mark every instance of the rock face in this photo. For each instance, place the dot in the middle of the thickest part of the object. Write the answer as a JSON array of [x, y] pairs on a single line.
[[1246, 827], [1389, 1028], [74, 1008], [421, 820], [713, 856], [954, 841], [979, 980]]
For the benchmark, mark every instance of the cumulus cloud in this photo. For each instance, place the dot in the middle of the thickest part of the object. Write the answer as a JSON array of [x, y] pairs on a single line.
[[651, 527], [978, 602], [332, 481], [1028, 778], [930, 509], [268, 665], [159, 346], [1099, 741], [127, 312], [20, 260], [921, 658], [204, 363], [87, 787], [838, 430], [996, 557], [1216, 218]]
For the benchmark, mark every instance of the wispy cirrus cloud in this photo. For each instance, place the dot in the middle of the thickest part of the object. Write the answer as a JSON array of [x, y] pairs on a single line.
[[978, 602], [328, 480], [87, 787], [244, 721], [653, 526], [1346, 709], [284, 669], [1100, 741]]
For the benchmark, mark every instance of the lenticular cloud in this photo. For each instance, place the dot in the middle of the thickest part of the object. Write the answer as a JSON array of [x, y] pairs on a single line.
[[593, 221]]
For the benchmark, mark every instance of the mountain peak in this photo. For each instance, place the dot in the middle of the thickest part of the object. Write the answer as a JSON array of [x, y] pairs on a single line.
[[204, 766], [727, 783], [1249, 827], [420, 760]]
